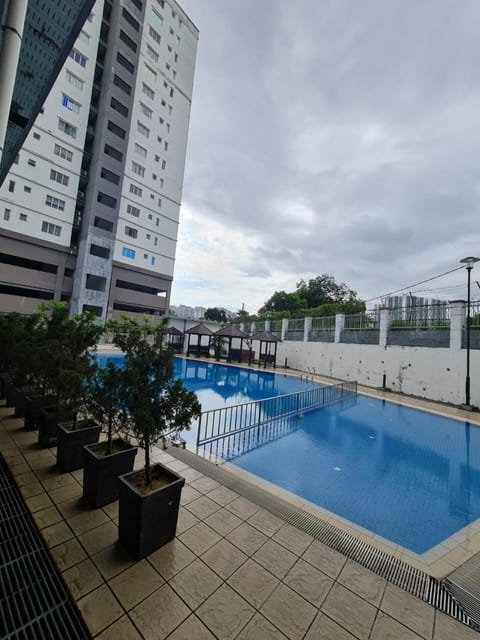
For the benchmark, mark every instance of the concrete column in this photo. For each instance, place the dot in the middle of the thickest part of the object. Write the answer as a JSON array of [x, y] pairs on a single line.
[[385, 315], [307, 326], [284, 328], [458, 320], [339, 324]]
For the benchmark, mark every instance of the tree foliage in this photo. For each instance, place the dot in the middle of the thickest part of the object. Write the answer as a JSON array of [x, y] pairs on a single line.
[[215, 314]]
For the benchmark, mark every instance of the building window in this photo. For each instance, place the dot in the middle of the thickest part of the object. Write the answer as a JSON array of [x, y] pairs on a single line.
[[106, 174], [140, 150], [71, 105], [113, 153], [78, 57], [148, 236], [11, 186], [119, 107], [6, 214], [23, 217], [157, 158], [52, 229], [36, 135], [74, 80], [101, 223], [125, 63], [67, 128], [130, 19], [115, 129], [106, 200], [175, 57], [100, 252], [128, 41], [55, 203], [146, 111], [152, 54], [61, 178], [61, 152], [128, 253], [159, 205], [27, 189], [172, 32], [130, 231], [133, 211], [138, 169], [155, 242], [141, 128], [147, 91], [84, 37], [31, 162], [171, 93], [164, 164], [151, 71], [154, 34], [154, 176], [152, 261], [166, 145], [137, 191], [162, 181], [174, 74], [157, 17], [121, 84]]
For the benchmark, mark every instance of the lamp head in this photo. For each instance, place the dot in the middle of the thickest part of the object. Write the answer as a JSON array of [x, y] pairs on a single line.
[[469, 261]]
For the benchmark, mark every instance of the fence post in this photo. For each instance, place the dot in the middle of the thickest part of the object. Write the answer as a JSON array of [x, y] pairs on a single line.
[[339, 324], [384, 327], [307, 326], [457, 323], [268, 324], [284, 328]]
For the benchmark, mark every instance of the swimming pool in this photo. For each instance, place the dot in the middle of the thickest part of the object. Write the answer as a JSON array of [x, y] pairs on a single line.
[[407, 475]]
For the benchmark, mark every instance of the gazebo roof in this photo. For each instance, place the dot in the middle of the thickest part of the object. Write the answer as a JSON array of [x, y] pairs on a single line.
[[173, 331], [231, 331], [265, 336], [200, 330]]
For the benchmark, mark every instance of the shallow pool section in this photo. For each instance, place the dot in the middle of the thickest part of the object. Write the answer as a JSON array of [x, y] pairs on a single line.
[[407, 475]]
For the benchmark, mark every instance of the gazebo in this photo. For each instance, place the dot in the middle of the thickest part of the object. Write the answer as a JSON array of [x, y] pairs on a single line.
[[199, 330], [265, 354], [175, 338], [231, 332]]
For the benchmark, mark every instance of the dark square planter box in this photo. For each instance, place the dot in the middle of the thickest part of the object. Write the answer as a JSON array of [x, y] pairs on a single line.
[[33, 405], [148, 521], [50, 416], [70, 443], [20, 398], [10, 393], [5, 377], [101, 472]]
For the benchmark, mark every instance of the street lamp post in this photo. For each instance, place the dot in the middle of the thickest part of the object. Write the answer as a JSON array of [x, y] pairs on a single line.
[[468, 262]]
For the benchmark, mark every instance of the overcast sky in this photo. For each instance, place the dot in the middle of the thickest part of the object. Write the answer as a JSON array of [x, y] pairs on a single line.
[[330, 136]]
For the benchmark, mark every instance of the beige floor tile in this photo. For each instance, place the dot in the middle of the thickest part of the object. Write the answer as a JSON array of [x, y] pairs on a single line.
[[322, 557], [185, 521], [191, 475], [247, 538], [309, 582], [266, 522], [259, 628], [275, 558], [73, 507], [171, 558], [99, 538], [159, 614], [123, 629], [289, 612], [293, 539], [68, 554], [410, 611], [99, 609], [225, 613], [135, 584], [57, 533], [205, 484], [202, 507], [353, 613], [69, 491], [31, 489], [447, 628], [222, 495], [38, 502], [82, 578], [19, 468], [224, 558], [56, 480], [177, 466], [191, 629], [323, 628], [111, 509], [242, 508], [199, 538], [386, 628], [88, 520], [46, 517], [253, 582], [223, 521], [195, 583], [189, 494], [363, 582], [113, 560]]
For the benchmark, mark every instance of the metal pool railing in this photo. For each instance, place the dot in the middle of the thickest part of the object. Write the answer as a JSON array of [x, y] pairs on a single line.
[[219, 423]]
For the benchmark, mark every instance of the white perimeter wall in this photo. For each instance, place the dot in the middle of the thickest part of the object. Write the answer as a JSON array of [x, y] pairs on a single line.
[[436, 374]]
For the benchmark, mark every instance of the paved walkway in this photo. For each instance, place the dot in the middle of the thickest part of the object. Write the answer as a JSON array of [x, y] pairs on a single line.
[[233, 571]]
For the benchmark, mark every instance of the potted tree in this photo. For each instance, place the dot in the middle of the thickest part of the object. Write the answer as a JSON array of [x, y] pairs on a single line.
[[105, 461], [158, 404]]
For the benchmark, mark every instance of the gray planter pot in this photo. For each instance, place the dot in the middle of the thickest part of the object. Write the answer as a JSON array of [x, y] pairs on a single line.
[[148, 521], [70, 443], [101, 472]]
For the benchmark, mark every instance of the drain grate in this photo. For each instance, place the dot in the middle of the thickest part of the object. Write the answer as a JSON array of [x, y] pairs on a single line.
[[414, 581], [34, 602]]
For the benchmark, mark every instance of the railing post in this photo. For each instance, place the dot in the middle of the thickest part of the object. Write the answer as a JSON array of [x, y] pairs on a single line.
[[457, 323], [339, 324], [268, 324], [284, 328], [385, 315], [307, 326]]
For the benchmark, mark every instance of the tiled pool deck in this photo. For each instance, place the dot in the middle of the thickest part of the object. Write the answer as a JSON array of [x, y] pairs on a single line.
[[233, 571]]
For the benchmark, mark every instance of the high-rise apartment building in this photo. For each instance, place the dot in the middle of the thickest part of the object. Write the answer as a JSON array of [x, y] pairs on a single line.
[[89, 212]]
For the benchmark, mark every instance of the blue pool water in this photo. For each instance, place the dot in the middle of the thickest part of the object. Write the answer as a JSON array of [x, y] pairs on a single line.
[[407, 475]]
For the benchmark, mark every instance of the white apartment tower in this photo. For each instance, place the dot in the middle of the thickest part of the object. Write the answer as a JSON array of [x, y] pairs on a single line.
[[90, 210]]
